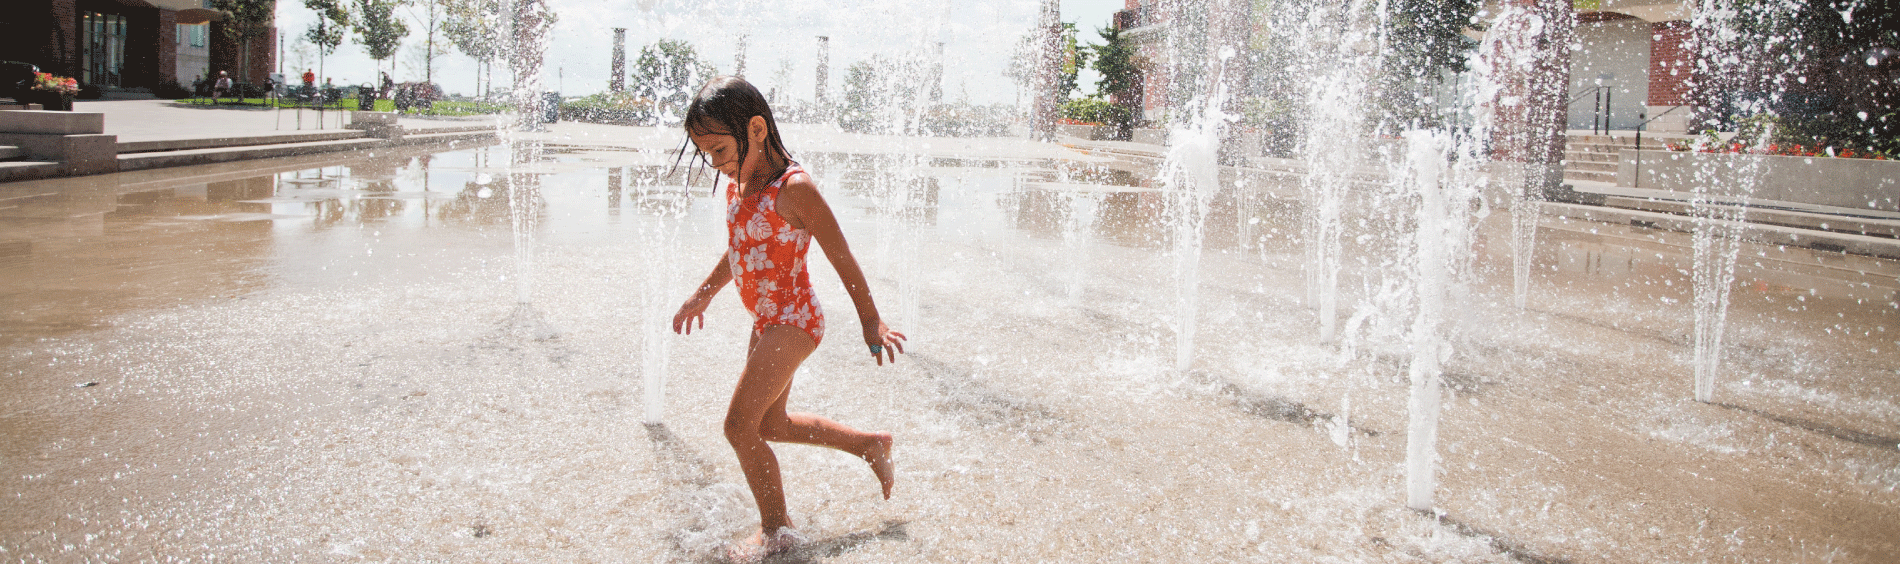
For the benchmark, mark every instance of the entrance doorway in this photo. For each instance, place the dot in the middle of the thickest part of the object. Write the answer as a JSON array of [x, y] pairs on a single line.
[[102, 38]]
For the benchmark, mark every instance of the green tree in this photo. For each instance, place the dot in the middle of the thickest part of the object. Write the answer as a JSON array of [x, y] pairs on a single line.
[[476, 29], [328, 31], [1424, 41], [246, 20], [865, 92], [1120, 65], [881, 95], [1824, 73], [1021, 68], [379, 28], [1073, 59], [668, 72], [433, 16]]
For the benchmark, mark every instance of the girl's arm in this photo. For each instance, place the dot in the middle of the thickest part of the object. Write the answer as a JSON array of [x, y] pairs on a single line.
[[801, 205], [695, 307]]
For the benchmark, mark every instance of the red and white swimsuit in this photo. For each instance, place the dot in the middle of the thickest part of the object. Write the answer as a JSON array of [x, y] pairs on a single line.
[[767, 256]]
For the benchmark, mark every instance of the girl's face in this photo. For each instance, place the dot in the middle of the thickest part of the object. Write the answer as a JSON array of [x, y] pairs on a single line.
[[722, 149]]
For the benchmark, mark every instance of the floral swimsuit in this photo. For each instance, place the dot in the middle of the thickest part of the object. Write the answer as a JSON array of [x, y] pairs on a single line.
[[767, 256]]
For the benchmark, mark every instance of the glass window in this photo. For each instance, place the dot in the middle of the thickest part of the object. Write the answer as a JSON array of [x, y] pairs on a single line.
[[193, 35], [102, 40]]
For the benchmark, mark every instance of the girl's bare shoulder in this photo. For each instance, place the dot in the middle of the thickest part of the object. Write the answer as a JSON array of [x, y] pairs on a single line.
[[801, 189], [799, 201], [801, 181]]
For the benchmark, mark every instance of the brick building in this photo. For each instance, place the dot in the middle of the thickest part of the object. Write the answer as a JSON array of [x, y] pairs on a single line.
[[130, 45], [1636, 51]]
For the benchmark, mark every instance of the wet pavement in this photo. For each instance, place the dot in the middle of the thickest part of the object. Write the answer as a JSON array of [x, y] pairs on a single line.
[[327, 359]]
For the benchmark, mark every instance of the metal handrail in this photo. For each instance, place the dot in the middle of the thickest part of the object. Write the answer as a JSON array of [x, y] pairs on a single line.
[[1636, 180], [1580, 92], [1600, 117]]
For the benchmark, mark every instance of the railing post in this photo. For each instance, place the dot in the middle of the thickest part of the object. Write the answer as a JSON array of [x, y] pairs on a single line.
[[1608, 108], [1597, 113]]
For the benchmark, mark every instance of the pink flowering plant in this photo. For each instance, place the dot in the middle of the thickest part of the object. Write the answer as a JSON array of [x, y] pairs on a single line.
[[46, 82]]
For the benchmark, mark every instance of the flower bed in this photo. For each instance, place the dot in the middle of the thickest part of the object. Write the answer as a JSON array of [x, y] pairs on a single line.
[[1788, 150], [52, 92]]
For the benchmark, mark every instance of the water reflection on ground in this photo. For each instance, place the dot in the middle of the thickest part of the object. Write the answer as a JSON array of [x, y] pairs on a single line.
[[315, 358]]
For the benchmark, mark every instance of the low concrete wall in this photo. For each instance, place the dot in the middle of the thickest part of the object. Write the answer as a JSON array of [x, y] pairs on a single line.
[[55, 123], [1846, 183], [1089, 132], [377, 124], [1151, 136]]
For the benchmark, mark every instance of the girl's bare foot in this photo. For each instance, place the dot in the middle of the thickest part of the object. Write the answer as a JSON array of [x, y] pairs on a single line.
[[761, 545], [880, 459]]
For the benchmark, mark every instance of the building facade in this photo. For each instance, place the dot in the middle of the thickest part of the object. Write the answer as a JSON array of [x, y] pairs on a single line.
[[1634, 64], [1637, 52], [132, 45]]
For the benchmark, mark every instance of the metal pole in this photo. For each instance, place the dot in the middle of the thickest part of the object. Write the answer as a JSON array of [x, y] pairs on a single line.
[[1636, 178], [1597, 114], [1607, 109]]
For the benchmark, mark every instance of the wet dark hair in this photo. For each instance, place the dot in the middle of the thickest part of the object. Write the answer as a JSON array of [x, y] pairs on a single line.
[[725, 105]]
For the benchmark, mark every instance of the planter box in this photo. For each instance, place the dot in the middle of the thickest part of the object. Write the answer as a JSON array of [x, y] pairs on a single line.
[[1845, 183], [48, 101]]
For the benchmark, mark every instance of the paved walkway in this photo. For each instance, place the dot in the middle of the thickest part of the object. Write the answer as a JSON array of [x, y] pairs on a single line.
[[153, 120]]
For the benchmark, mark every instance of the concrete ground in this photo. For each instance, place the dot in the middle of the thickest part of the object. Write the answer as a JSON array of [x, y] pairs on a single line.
[[332, 358]]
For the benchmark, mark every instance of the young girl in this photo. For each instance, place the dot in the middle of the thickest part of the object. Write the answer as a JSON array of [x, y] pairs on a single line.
[[773, 213]]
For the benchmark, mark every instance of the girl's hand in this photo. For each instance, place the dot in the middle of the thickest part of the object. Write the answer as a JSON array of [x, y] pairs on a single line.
[[693, 310], [885, 343]]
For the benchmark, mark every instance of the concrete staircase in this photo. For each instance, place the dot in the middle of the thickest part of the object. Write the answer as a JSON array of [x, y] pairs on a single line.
[[14, 161], [141, 155], [1593, 158]]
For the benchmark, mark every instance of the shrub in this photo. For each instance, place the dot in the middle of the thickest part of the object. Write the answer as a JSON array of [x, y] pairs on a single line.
[[616, 108], [962, 120]]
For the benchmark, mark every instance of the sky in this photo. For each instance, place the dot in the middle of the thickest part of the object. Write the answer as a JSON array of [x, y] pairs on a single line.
[[781, 44]]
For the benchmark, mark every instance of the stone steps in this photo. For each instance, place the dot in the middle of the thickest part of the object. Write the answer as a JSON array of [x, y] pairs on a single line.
[[1591, 166], [186, 157], [29, 170], [126, 147], [207, 151], [1866, 231], [1593, 158], [1862, 254]]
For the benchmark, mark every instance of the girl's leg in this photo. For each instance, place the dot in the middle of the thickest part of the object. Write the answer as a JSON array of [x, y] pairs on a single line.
[[757, 414], [813, 429], [775, 354]]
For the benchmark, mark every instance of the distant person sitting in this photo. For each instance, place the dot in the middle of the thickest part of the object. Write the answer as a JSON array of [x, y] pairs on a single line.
[[220, 88], [309, 90]]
